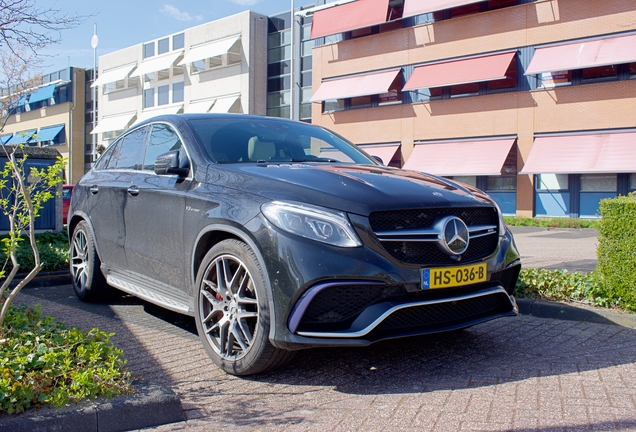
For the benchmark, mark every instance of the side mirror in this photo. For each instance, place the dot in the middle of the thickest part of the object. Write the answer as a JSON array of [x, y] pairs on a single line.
[[171, 163], [378, 159]]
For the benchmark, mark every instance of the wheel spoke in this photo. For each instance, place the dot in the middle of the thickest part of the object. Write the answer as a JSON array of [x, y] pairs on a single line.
[[239, 337]]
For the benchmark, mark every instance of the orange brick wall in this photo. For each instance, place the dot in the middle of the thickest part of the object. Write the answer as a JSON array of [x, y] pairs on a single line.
[[577, 108]]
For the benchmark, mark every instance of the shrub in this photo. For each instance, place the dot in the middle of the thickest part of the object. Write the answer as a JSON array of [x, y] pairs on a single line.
[[616, 251], [53, 252], [551, 222], [43, 362]]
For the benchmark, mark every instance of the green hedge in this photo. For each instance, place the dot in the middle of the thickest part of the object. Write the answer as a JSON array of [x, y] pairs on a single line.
[[616, 251], [53, 249]]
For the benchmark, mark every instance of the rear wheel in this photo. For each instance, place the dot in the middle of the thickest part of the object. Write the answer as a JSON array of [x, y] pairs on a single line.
[[88, 281], [232, 316]]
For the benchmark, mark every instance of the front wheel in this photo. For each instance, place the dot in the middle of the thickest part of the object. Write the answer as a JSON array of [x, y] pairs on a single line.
[[232, 318]]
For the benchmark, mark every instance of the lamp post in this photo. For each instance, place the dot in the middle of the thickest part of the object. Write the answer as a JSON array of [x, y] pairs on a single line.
[[94, 42]]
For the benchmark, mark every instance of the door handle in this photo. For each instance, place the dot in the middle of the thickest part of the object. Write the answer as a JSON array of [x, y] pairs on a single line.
[[133, 191], [94, 189]]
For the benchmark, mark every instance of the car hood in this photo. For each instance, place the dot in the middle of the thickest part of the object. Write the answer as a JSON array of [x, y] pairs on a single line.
[[358, 189]]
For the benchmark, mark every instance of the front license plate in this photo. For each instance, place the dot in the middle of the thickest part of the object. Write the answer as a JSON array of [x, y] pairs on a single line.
[[449, 277]]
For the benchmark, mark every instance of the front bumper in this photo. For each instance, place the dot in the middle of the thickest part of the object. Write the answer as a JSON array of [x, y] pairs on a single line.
[[330, 296]]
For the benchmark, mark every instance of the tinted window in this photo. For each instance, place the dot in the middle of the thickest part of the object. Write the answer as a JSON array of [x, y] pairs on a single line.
[[103, 162], [177, 41], [130, 152], [163, 46], [162, 139]]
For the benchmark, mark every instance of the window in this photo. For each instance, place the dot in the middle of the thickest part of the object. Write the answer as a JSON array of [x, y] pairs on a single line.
[[279, 38], [163, 95], [501, 183], [177, 92], [360, 102], [598, 182], [149, 77], [279, 54], [178, 41], [278, 84], [462, 90], [162, 140], [130, 152], [149, 98], [632, 182], [149, 49], [305, 94], [177, 71], [163, 46], [469, 180], [126, 83], [278, 99], [334, 105], [599, 73], [552, 182], [305, 111], [282, 112], [198, 66]]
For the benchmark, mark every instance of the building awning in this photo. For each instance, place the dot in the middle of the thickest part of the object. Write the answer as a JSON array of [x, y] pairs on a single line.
[[208, 50], [461, 158], [113, 123], [350, 16], [223, 105], [199, 107], [22, 137], [471, 70], [359, 85], [113, 75], [156, 64], [419, 7], [43, 93], [578, 154], [145, 115], [384, 152], [5, 138], [49, 133], [597, 52]]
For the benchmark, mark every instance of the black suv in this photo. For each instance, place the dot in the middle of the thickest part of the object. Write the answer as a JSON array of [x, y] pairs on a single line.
[[278, 235]]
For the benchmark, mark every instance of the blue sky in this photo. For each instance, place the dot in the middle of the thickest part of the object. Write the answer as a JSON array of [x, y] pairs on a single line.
[[124, 23]]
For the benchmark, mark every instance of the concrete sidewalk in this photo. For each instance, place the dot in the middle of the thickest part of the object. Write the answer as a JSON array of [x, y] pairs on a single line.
[[557, 248]]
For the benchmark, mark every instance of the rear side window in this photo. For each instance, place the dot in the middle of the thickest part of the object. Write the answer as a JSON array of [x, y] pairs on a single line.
[[129, 153], [162, 139]]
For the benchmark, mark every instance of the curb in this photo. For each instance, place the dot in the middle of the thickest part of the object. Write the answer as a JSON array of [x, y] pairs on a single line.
[[45, 279], [151, 405], [568, 312]]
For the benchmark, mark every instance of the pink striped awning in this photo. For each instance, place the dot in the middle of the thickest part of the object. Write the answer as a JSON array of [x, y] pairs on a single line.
[[465, 158], [597, 52], [358, 85], [578, 154], [419, 7], [349, 16], [384, 152]]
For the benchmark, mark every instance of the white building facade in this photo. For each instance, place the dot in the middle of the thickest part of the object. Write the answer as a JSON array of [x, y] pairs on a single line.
[[220, 66]]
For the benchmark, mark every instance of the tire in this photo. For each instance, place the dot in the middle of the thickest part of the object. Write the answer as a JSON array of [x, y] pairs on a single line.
[[232, 315], [89, 283]]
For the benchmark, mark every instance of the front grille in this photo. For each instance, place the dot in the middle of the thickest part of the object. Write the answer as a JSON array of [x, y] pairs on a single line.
[[394, 220], [427, 253], [445, 314], [507, 278]]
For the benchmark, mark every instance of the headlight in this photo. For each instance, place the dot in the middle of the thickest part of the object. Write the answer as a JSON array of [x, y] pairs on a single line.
[[315, 223]]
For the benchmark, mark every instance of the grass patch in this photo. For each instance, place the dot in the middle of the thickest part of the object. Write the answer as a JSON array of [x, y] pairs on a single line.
[[562, 285], [552, 222], [53, 249], [43, 362]]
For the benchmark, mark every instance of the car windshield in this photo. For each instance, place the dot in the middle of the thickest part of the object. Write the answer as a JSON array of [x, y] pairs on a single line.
[[252, 140]]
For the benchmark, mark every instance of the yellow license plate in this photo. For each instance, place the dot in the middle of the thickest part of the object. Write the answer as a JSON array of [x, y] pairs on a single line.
[[449, 277]]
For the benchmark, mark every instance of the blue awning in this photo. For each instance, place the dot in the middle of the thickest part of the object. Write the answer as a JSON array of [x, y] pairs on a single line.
[[22, 137], [49, 133], [43, 93], [5, 138], [22, 101]]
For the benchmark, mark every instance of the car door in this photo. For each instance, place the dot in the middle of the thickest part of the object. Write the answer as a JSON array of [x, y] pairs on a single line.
[[107, 194], [154, 215]]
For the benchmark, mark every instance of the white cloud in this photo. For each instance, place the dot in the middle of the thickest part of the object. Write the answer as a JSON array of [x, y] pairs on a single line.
[[245, 2], [175, 13]]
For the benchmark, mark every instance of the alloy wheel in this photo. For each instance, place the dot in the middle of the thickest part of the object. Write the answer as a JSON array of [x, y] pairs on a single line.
[[228, 307], [79, 259]]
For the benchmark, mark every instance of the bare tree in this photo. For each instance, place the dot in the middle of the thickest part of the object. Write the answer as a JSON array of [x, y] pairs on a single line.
[[24, 24], [16, 77]]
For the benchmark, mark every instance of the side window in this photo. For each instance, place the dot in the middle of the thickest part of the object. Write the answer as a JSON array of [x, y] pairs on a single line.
[[162, 139], [103, 162], [130, 152]]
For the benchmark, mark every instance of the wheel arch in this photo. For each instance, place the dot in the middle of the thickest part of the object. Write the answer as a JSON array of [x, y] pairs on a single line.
[[74, 221], [216, 233]]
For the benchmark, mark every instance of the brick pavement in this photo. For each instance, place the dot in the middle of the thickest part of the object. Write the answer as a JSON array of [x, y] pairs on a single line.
[[521, 374]]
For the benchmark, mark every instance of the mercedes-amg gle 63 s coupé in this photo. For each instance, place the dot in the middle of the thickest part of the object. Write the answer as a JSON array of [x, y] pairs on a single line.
[[278, 235]]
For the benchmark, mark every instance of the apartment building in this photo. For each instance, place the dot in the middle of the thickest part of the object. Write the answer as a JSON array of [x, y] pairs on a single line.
[[531, 101], [220, 66], [53, 114]]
